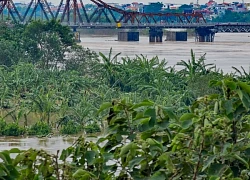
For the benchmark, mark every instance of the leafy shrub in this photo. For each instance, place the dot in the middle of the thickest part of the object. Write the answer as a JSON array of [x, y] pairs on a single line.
[[70, 127], [40, 128], [13, 129], [92, 128], [2, 126], [210, 142]]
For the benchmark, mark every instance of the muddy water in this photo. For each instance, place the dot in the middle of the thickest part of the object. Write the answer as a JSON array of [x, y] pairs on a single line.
[[51, 145], [229, 49]]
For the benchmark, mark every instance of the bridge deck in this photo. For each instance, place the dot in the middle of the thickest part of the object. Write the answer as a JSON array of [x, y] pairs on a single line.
[[217, 27]]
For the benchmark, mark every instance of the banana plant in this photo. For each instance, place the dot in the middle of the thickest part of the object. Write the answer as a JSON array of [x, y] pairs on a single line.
[[43, 105], [195, 67], [110, 67], [244, 75]]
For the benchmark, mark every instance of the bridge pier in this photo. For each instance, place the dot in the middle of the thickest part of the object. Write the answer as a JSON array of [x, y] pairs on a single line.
[[204, 34], [155, 35], [176, 36], [76, 35], [128, 36]]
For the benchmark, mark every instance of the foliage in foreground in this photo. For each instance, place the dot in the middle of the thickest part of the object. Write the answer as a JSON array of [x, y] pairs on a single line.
[[47, 79], [66, 98], [148, 141]]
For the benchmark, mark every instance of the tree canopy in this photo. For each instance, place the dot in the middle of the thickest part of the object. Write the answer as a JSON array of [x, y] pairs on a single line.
[[39, 42]]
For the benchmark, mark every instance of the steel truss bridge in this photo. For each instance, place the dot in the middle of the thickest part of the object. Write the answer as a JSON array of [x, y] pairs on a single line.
[[216, 27], [71, 12], [74, 14]]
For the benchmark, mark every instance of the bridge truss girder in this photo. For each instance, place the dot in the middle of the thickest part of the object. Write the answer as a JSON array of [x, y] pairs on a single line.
[[45, 9], [71, 7], [73, 13], [233, 28], [121, 16], [11, 8]]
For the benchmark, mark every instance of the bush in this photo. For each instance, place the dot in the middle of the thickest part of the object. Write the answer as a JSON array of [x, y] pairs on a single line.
[[13, 129], [92, 128], [70, 127], [2, 126], [40, 128]]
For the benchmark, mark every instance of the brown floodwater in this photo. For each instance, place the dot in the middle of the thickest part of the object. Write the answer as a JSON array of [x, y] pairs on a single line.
[[51, 145], [228, 50]]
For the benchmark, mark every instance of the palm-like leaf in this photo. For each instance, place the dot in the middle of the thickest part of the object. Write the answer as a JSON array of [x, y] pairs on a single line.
[[193, 67], [243, 74]]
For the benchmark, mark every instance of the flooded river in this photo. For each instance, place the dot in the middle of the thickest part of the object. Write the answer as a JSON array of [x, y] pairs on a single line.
[[51, 145], [228, 50]]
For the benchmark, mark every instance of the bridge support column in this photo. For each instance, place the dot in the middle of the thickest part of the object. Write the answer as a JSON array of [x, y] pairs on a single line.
[[76, 35], [155, 35], [176, 36], [128, 36], [204, 35]]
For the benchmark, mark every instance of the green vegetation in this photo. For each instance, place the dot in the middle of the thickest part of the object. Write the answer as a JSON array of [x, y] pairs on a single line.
[[70, 128], [150, 141], [39, 128], [11, 129], [58, 86], [92, 128], [158, 122]]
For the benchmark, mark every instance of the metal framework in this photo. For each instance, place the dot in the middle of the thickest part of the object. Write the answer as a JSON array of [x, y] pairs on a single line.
[[45, 9], [72, 7], [74, 13], [11, 8], [233, 28], [116, 15]]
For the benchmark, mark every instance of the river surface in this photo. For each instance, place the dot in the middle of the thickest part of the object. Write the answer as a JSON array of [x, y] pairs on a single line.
[[228, 50], [51, 145]]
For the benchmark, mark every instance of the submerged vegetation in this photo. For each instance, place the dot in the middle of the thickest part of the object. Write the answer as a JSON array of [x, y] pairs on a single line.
[[158, 122]]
